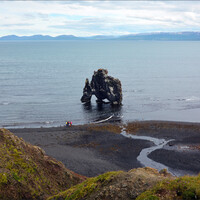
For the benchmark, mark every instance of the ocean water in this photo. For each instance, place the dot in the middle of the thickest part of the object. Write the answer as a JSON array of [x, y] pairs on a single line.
[[41, 83]]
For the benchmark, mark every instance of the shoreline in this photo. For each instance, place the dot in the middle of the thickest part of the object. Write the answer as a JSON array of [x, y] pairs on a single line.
[[111, 121], [92, 149]]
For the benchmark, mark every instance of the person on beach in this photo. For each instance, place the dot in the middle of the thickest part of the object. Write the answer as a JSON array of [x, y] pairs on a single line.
[[68, 124]]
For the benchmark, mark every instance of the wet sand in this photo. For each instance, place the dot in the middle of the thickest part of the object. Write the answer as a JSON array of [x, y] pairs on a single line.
[[95, 149]]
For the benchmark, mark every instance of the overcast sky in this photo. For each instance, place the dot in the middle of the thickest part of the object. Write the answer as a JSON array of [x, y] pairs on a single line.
[[97, 17]]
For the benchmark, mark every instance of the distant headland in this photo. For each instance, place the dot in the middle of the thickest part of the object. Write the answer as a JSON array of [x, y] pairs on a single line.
[[159, 36]]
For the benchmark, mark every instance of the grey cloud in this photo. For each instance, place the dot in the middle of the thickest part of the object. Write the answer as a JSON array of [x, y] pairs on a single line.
[[93, 20], [29, 16], [156, 19], [89, 23], [170, 15], [41, 15], [20, 24], [35, 16]]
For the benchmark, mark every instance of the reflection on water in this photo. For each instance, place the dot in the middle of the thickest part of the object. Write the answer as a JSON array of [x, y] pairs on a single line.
[[87, 106], [96, 112]]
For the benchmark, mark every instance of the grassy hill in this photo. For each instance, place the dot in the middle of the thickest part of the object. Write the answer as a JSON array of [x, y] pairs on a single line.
[[26, 172]]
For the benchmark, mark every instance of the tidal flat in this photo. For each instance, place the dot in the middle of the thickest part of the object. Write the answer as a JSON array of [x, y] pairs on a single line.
[[93, 149]]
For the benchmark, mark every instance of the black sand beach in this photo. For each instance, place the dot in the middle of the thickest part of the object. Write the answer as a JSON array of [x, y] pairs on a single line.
[[94, 149]]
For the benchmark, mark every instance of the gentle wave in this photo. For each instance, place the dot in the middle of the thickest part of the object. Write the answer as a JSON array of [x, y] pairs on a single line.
[[193, 98], [104, 120], [134, 91], [26, 124], [4, 103], [190, 99]]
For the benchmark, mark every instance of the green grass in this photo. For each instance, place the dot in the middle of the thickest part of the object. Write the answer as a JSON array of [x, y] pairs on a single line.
[[17, 167], [27, 173], [183, 188], [83, 190]]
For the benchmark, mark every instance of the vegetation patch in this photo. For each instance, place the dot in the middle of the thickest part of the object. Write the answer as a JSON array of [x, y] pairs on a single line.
[[83, 190], [113, 128], [27, 173], [183, 188], [137, 126]]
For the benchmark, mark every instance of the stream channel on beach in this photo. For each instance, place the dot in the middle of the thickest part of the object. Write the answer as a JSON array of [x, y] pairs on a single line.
[[158, 144]]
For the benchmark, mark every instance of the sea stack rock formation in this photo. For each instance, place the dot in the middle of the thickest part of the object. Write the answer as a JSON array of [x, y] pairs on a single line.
[[103, 87]]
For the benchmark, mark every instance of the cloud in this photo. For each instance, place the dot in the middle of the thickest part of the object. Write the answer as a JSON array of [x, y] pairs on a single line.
[[14, 25], [84, 18]]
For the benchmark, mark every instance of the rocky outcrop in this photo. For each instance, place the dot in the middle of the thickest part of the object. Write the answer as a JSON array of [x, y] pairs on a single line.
[[26, 172], [103, 87]]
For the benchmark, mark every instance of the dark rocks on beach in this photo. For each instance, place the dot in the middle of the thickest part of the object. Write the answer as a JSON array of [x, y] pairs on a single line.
[[103, 87]]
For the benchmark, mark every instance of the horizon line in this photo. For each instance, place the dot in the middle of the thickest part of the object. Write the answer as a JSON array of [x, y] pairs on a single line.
[[156, 32]]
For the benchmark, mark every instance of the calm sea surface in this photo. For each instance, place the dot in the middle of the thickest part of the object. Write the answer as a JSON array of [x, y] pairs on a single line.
[[41, 83]]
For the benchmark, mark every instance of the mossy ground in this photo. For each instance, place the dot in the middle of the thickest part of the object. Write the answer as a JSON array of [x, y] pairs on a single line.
[[83, 190], [113, 128], [183, 188], [27, 173], [135, 127]]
